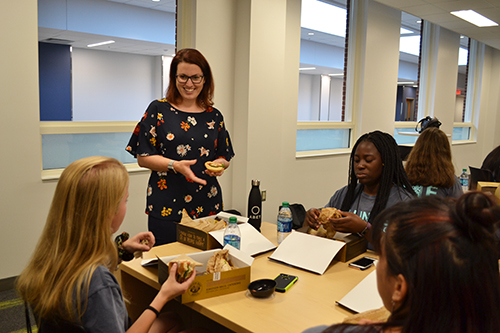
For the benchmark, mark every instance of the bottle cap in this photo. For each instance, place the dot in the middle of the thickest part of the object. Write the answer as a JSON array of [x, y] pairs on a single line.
[[285, 204], [233, 219], [464, 169], [255, 182]]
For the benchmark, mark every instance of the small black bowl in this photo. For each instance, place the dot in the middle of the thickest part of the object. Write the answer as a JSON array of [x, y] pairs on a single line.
[[262, 288]]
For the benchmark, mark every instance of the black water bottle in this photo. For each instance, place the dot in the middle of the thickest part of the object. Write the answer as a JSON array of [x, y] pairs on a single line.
[[255, 205]]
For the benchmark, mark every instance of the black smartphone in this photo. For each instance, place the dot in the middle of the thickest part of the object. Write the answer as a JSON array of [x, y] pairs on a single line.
[[284, 281], [363, 263]]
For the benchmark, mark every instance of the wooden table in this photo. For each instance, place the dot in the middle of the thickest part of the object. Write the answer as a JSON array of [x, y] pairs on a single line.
[[310, 302]]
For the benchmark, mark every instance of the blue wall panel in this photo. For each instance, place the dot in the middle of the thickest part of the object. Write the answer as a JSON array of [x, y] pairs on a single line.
[[55, 81]]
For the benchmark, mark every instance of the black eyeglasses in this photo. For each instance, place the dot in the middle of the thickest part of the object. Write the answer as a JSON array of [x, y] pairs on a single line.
[[184, 78]]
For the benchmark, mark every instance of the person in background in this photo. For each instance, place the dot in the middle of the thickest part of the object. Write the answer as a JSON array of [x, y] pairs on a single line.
[[438, 267], [492, 163], [175, 138], [429, 166], [376, 180], [69, 277]]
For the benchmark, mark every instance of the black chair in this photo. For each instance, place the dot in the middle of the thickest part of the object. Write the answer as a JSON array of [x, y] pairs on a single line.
[[404, 151], [479, 175]]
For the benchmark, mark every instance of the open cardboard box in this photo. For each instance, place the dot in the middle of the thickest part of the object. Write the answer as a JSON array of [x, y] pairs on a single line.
[[490, 187], [211, 285], [355, 245], [201, 239]]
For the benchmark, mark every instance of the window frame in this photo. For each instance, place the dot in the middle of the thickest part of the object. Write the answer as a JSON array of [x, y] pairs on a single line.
[[348, 87]]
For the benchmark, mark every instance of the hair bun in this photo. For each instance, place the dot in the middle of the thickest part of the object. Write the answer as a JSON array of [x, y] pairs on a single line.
[[476, 211]]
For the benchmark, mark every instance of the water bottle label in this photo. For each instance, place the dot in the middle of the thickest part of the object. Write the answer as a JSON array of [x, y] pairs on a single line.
[[285, 225], [232, 240]]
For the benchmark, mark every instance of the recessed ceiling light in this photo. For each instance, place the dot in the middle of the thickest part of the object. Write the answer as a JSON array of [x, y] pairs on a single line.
[[307, 68], [474, 18], [156, 0], [339, 74], [311, 34], [101, 43], [419, 21], [409, 82]]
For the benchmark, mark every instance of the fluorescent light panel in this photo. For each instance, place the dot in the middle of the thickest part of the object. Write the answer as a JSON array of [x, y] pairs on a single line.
[[474, 18], [307, 68], [101, 43]]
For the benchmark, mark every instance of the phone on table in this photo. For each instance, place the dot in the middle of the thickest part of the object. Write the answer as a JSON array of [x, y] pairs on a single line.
[[284, 282], [363, 263]]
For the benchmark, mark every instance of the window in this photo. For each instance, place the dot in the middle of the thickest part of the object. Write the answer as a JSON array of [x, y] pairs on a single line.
[[100, 92], [470, 61], [322, 121], [408, 79]]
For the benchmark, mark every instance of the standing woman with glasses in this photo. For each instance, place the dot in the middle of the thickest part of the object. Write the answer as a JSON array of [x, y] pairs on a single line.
[[175, 138]]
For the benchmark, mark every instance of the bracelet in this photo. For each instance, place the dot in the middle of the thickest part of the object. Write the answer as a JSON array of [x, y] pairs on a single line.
[[170, 166], [122, 253], [365, 230], [149, 307]]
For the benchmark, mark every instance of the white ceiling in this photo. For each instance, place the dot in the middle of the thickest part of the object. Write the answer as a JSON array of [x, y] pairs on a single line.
[[435, 11], [438, 12]]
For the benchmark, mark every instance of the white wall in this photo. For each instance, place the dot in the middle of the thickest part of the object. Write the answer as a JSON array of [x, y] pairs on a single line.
[[113, 86], [249, 41]]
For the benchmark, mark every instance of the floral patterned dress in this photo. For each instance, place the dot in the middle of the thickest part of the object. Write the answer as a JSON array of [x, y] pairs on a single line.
[[178, 135]]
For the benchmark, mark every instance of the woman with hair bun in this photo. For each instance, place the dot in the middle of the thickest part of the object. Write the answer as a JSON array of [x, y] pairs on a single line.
[[438, 268]]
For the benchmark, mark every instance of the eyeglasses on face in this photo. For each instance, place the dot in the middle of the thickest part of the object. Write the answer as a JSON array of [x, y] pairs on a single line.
[[184, 78]]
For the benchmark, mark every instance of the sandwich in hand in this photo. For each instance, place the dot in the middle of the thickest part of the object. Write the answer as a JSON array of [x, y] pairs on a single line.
[[219, 262], [214, 166], [326, 229], [185, 267]]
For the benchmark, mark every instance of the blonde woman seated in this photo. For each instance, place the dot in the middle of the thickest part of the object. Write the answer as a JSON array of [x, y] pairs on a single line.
[[429, 166], [69, 278]]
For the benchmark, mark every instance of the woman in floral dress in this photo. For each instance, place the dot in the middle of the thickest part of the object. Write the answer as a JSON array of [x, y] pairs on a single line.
[[174, 139]]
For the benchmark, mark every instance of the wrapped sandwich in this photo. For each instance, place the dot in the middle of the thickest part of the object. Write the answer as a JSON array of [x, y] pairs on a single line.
[[185, 267], [377, 315], [219, 262], [207, 224]]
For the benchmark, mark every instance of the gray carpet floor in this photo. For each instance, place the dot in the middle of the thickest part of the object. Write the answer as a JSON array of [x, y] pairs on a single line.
[[12, 318]]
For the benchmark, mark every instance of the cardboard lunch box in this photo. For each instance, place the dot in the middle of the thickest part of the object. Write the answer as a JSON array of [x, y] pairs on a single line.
[[354, 246], [216, 284], [201, 239], [490, 187]]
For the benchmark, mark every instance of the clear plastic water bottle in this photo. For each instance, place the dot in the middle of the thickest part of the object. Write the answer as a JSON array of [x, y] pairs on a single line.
[[284, 222], [464, 180], [232, 233]]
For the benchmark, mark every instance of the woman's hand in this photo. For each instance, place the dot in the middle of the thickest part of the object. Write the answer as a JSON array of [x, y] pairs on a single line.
[[217, 174], [350, 222], [137, 243], [311, 219], [184, 167], [160, 163], [171, 288]]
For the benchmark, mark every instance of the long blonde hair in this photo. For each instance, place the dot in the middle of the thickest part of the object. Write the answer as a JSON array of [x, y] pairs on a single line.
[[76, 238]]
